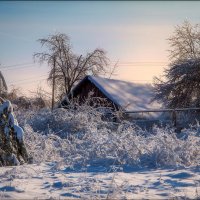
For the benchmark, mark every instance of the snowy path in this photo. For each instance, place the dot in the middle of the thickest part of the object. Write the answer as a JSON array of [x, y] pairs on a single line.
[[42, 181]]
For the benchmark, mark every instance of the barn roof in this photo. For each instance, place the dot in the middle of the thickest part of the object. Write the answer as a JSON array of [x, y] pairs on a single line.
[[127, 95]]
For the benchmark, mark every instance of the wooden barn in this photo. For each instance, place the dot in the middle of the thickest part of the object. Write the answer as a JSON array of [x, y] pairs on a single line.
[[123, 95]]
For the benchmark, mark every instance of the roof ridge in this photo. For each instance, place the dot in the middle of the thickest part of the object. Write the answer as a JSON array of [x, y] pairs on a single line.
[[91, 76]]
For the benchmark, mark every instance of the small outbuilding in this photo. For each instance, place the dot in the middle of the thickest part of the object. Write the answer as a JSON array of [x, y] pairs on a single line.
[[123, 95]]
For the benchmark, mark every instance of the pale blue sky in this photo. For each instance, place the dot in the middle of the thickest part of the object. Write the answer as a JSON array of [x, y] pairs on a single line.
[[134, 33]]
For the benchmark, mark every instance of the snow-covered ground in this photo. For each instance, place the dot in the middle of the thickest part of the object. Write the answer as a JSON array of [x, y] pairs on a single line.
[[45, 181], [76, 154]]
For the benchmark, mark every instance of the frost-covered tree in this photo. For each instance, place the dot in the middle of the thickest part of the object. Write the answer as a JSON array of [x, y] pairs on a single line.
[[3, 85], [12, 148], [181, 84], [66, 66], [184, 43]]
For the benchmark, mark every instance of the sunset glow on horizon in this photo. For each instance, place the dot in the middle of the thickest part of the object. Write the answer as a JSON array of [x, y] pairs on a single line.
[[133, 33]]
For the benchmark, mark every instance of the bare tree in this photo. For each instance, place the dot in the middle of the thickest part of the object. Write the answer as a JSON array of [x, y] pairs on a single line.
[[67, 67], [184, 43], [113, 70], [181, 87], [40, 97]]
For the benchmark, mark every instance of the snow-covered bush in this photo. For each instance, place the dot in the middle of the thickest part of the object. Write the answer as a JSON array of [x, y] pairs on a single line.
[[63, 122], [79, 137], [12, 148]]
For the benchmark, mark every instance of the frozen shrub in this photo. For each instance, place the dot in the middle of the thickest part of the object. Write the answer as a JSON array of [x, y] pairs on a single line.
[[63, 122], [79, 137]]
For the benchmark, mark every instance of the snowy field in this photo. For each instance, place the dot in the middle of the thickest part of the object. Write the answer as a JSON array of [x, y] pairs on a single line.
[[75, 154], [45, 182]]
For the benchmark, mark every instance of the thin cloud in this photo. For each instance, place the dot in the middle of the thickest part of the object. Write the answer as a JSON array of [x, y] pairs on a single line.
[[14, 36]]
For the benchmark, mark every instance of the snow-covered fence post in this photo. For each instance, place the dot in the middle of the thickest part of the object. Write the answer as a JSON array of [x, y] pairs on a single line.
[[174, 118], [12, 148]]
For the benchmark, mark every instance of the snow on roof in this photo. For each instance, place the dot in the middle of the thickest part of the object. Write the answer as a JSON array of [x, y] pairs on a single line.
[[129, 96]]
